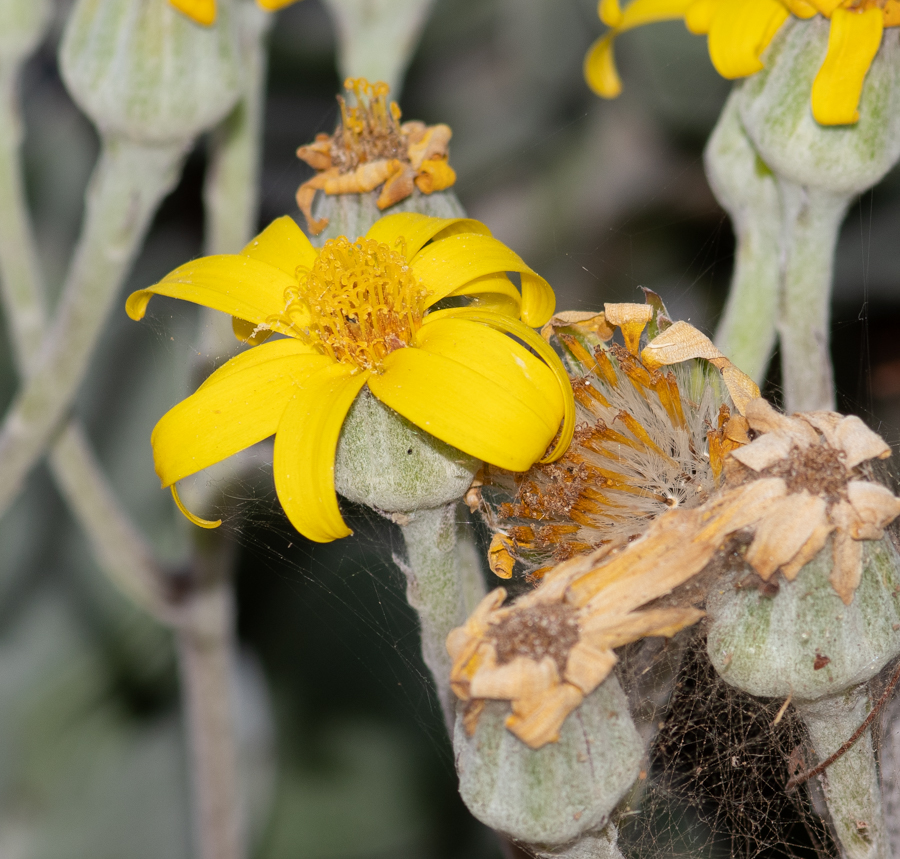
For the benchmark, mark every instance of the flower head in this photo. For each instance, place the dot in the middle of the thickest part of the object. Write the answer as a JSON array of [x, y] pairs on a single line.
[[371, 149], [645, 442], [362, 313], [773, 493], [740, 30]]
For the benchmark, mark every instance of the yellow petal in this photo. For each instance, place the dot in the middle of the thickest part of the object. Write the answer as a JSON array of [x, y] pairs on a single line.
[[610, 12], [274, 5], [240, 286], [408, 232], [199, 521], [448, 266], [498, 358], [642, 12], [740, 31], [505, 424], [534, 341], [852, 44], [283, 244], [600, 68], [237, 406], [248, 333], [305, 447], [698, 16], [201, 11], [800, 8], [826, 7]]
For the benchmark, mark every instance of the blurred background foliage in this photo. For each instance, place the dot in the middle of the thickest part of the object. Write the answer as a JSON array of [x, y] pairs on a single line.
[[343, 752]]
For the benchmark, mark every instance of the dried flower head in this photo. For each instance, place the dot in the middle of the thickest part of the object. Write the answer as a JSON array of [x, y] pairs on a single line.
[[646, 440], [775, 489], [819, 464], [371, 148]]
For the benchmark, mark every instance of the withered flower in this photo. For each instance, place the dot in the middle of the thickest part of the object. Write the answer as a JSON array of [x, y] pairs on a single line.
[[371, 148], [646, 440], [770, 487], [819, 463]]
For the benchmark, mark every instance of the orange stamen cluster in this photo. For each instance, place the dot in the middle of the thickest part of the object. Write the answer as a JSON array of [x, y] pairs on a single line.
[[642, 447], [362, 300]]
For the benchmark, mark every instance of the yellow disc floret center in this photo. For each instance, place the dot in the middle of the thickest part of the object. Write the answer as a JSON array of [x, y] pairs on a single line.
[[364, 301]]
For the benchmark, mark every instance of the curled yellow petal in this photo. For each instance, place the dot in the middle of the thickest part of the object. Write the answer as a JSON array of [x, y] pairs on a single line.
[[192, 517], [449, 265], [501, 423], [610, 12], [201, 11], [534, 341], [801, 8], [237, 406], [235, 284], [699, 15], [642, 12], [284, 245], [305, 447], [740, 31], [274, 5], [409, 232], [853, 41], [600, 68]]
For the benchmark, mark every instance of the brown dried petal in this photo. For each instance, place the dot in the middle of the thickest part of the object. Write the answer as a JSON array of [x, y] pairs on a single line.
[[477, 623], [875, 505], [763, 418], [859, 443], [809, 550], [606, 631], [538, 722], [521, 678], [847, 570], [789, 523], [764, 452], [594, 322], [587, 666], [500, 556]]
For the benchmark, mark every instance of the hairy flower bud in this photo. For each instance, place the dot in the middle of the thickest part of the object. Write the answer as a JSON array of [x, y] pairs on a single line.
[[553, 794], [22, 23], [775, 108], [143, 71]]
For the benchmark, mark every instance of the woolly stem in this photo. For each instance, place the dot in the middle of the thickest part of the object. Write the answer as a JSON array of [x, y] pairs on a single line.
[[850, 784], [120, 549], [747, 190], [206, 648], [811, 219], [128, 184], [377, 38], [435, 590]]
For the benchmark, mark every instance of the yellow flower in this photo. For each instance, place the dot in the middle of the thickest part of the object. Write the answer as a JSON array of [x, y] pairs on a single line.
[[204, 11], [356, 313], [740, 30]]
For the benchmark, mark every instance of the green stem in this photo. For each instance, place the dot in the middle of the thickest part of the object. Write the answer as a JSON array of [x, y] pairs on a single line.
[[747, 190], [851, 784], [435, 590], [126, 188], [377, 38], [121, 551], [206, 648], [811, 221], [599, 845]]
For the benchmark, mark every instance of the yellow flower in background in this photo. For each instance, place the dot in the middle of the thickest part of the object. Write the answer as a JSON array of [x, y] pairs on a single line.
[[740, 30], [204, 11], [357, 313]]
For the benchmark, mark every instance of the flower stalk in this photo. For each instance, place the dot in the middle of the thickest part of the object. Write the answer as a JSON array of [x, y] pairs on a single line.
[[851, 783], [126, 188], [376, 40], [748, 191]]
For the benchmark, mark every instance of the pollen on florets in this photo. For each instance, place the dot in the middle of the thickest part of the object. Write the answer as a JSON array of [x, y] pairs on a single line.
[[647, 441], [369, 130], [362, 300]]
